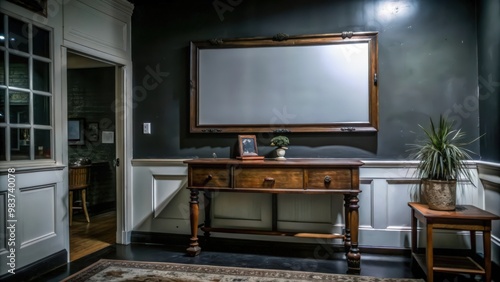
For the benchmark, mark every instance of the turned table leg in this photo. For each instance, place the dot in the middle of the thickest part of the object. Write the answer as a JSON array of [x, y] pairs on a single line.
[[208, 217], [414, 237], [353, 256], [347, 223], [194, 248]]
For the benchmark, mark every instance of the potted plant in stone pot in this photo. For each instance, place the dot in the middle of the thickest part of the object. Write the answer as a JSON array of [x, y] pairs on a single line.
[[442, 159], [282, 142]]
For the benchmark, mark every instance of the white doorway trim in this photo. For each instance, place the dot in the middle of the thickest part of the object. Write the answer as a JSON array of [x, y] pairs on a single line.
[[123, 134]]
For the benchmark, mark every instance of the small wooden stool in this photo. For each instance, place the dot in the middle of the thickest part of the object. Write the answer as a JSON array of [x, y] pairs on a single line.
[[465, 217], [79, 180]]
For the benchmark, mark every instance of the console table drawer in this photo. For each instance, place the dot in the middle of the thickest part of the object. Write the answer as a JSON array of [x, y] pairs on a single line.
[[329, 179], [210, 177], [269, 178]]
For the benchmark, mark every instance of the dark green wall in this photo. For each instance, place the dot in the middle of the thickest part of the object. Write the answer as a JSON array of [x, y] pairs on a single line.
[[489, 78], [427, 67]]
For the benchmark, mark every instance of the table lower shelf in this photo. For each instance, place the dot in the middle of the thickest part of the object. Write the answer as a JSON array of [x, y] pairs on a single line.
[[450, 264], [277, 233]]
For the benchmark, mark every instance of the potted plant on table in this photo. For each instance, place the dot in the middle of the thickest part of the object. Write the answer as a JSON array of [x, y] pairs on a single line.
[[282, 142], [441, 159]]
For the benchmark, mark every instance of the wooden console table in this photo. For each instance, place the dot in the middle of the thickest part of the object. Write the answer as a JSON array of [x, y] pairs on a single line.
[[305, 176], [464, 217]]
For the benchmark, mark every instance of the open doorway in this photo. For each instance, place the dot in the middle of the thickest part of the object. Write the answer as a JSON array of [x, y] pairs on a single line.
[[91, 96]]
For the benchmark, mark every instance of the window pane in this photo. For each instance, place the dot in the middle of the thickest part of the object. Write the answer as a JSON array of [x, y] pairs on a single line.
[[41, 42], [19, 144], [41, 76], [41, 109], [25, 67], [2, 67], [2, 105], [18, 71], [19, 107], [2, 144], [42, 144], [2, 31], [18, 35]]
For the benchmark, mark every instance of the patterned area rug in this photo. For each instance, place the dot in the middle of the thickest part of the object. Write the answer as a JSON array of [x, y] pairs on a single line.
[[117, 270]]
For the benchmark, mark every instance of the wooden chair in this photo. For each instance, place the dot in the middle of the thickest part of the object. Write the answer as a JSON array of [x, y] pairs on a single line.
[[79, 181]]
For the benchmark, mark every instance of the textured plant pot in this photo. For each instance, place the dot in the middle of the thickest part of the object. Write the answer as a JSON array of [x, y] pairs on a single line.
[[281, 154], [440, 195]]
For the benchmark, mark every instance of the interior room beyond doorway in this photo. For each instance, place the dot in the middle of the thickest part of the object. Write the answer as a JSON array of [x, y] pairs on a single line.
[[91, 96]]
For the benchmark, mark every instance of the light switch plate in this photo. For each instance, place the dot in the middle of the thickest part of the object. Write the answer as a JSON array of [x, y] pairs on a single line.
[[146, 128]]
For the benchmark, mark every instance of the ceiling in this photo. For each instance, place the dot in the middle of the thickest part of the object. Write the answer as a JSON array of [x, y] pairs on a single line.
[[76, 61]]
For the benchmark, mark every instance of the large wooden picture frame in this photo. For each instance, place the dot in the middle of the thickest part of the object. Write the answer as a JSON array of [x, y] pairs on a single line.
[[309, 83], [37, 6]]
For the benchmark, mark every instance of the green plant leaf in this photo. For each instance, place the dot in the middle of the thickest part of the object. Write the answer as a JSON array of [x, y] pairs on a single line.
[[442, 154]]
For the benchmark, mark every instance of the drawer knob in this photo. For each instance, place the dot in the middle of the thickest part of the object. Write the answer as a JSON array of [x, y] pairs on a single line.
[[209, 177], [328, 179], [270, 179]]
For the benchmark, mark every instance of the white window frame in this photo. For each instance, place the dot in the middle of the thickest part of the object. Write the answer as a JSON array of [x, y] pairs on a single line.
[[7, 125]]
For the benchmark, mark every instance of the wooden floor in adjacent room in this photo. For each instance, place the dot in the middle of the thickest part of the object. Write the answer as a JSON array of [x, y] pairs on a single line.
[[87, 238]]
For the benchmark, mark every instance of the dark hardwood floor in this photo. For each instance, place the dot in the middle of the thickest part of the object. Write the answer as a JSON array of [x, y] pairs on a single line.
[[223, 252], [373, 265]]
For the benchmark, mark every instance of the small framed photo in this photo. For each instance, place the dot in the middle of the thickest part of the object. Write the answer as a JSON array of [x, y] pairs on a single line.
[[108, 137], [93, 131], [248, 147], [76, 131]]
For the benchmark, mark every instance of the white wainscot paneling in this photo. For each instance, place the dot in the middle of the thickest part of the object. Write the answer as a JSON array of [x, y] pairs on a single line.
[[489, 173], [309, 213], [38, 223], [385, 217], [7, 236], [3, 223], [492, 200], [41, 214], [160, 198], [241, 210], [165, 188], [305, 208], [384, 211], [174, 218], [162, 205], [384, 214], [365, 205]]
